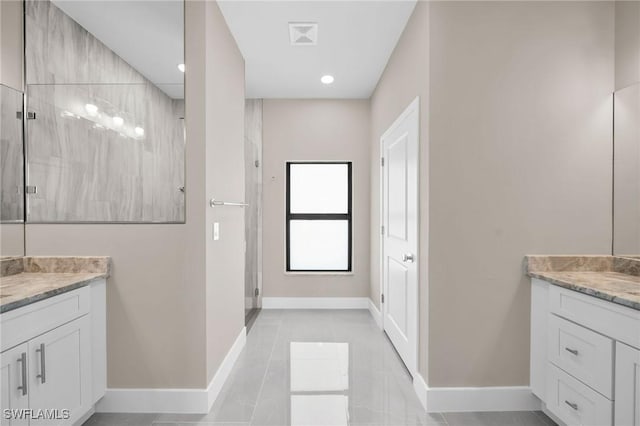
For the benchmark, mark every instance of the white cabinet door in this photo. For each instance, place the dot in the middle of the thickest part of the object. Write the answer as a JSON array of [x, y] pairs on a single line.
[[13, 380], [627, 386], [60, 374]]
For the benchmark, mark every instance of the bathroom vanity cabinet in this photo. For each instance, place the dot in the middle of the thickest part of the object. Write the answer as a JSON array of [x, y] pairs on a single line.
[[53, 358], [585, 356]]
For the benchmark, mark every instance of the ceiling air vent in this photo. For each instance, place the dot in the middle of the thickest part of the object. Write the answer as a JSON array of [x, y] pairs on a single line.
[[303, 33]]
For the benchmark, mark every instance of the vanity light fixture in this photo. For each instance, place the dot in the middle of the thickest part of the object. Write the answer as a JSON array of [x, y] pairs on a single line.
[[118, 121], [181, 67], [327, 79], [91, 109], [139, 131]]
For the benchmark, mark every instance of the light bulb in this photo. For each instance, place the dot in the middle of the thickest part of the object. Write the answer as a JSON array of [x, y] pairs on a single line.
[[91, 109], [327, 79]]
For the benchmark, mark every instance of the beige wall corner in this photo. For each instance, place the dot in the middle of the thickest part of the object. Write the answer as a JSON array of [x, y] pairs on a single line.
[[405, 77], [224, 176], [314, 130]]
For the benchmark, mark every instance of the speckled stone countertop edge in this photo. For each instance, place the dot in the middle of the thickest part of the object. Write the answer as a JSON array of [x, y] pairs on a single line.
[[6, 307], [589, 291], [54, 264], [581, 263], [568, 263]]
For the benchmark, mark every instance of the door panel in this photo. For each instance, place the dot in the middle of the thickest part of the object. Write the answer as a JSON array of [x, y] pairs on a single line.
[[66, 367], [627, 383], [398, 296], [396, 202], [399, 147], [11, 377]]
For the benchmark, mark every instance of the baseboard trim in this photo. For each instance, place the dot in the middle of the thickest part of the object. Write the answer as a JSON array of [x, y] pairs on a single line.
[[375, 313], [513, 398], [196, 401], [315, 303], [153, 401], [221, 376], [421, 389]]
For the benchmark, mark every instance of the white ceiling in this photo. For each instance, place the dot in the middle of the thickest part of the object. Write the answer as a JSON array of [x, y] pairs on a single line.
[[148, 34], [355, 40]]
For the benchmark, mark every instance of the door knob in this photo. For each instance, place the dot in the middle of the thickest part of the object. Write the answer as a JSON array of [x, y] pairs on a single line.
[[408, 258]]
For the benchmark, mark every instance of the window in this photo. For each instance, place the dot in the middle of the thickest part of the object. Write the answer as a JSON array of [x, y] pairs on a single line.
[[318, 218]]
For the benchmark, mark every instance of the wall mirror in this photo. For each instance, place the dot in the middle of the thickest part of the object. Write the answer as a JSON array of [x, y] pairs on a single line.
[[104, 129], [626, 175], [11, 172]]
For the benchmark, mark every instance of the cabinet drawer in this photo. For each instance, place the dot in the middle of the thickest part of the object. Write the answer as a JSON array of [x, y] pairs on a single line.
[[585, 354], [574, 402], [24, 323], [618, 322]]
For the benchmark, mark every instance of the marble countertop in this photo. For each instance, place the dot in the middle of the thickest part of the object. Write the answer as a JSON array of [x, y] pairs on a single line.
[[610, 278], [27, 280]]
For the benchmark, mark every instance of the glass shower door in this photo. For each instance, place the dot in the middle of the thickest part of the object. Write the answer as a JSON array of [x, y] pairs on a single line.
[[253, 212]]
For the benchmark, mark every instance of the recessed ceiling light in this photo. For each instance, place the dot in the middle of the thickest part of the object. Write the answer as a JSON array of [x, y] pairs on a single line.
[[327, 79], [118, 121], [91, 109], [139, 131], [181, 67]]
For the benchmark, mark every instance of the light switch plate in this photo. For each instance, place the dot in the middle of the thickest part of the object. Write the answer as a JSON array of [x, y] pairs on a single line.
[[216, 231]]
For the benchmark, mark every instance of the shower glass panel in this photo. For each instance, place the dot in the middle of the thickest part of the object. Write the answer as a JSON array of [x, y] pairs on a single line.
[[105, 134], [253, 212], [11, 156]]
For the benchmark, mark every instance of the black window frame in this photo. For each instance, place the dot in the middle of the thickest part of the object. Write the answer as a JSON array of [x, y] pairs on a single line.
[[319, 216]]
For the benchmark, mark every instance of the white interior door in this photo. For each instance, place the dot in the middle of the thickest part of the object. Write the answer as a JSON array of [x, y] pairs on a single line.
[[399, 148]]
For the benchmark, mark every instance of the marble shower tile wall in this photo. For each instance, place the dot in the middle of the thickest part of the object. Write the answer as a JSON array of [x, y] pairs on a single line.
[[11, 156], [86, 166], [253, 196]]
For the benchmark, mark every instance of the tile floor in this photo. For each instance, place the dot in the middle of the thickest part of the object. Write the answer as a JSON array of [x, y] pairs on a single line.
[[319, 367]]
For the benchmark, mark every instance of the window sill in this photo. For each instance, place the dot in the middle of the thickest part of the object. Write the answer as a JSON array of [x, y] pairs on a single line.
[[330, 273]]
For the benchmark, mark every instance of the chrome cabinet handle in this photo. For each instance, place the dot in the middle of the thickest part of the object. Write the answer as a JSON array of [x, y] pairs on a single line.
[[573, 351], [408, 258], [23, 360], [572, 405], [42, 375]]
